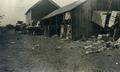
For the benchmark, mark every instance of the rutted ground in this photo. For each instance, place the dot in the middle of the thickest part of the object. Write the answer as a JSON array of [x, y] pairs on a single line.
[[24, 53]]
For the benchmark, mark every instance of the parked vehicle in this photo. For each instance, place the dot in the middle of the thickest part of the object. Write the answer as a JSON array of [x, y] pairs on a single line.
[[34, 30], [20, 27]]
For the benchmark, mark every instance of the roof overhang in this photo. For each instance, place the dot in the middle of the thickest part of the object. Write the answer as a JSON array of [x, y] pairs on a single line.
[[64, 9]]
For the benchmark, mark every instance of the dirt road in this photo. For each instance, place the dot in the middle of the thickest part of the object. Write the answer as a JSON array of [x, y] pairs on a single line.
[[24, 53]]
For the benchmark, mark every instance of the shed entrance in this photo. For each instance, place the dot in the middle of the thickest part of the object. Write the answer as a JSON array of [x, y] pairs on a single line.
[[66, 28]]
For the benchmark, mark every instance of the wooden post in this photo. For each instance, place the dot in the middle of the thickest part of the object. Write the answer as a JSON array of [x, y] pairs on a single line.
[[56, 23]]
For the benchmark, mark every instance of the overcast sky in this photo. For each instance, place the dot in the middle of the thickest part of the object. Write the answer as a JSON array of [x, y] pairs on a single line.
[[15, 9]]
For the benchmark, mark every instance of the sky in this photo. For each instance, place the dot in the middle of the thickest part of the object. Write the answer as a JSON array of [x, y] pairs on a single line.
[[14, 10]]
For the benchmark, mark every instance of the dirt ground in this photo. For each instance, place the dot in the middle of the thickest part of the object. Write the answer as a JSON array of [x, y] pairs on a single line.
[[25, 53]]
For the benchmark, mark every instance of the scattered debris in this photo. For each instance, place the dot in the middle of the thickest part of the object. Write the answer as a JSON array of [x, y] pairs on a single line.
[[12, 42], [108, 44], [118, 40], [59, 47], [99, 37], [102, 49], [116, 45], [117, 63], [55, 36], [33, 48], [88, 52], [87, 47], [96, 45], [104, 37], [37, 45]]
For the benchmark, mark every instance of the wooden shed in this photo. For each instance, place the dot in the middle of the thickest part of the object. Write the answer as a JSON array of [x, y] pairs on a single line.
[[74, 21], [39, 10]]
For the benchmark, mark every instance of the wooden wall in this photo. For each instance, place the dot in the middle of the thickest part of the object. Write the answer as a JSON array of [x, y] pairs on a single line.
[[81, 21], [29, 18], [81, 17]]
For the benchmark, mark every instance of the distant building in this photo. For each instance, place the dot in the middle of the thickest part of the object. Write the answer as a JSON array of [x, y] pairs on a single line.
[[39, 10], [74, 21]]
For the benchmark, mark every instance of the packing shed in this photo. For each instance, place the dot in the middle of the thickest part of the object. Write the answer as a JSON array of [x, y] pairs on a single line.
[[39, 10], [74, 21]]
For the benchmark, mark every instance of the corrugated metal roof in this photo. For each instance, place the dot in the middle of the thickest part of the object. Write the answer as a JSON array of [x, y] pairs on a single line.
[[64, 9], [39, 2]]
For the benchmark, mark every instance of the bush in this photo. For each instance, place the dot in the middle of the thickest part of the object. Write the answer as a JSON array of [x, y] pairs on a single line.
[[10, 26]]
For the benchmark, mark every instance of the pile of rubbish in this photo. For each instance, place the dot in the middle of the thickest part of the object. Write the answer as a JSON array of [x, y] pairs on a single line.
[[99, 46], [96, 45]]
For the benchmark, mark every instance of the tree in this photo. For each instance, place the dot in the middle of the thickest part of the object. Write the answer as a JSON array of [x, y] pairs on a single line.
[[10, 26]]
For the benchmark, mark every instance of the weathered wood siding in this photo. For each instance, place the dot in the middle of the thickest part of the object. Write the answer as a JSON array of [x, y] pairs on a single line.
[[44, 8], [29, 18], [40, 10], [105, 4], [82, 15], [81, 21]]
